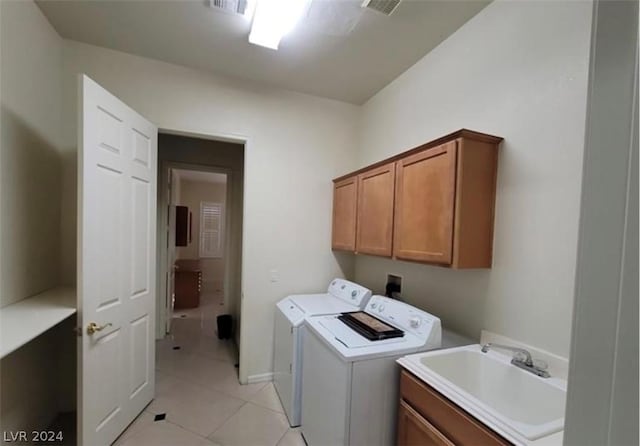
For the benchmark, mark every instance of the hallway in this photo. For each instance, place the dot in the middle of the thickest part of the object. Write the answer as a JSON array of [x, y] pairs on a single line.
[[198, 390]]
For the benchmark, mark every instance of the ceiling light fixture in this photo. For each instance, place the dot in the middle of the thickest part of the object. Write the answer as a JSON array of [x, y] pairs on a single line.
[[273, 19]]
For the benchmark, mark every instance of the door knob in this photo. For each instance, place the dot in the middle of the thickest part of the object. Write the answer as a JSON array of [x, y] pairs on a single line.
[[93, 327]]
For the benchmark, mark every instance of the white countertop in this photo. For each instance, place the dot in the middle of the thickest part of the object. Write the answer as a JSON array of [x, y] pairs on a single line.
[[26, 319]]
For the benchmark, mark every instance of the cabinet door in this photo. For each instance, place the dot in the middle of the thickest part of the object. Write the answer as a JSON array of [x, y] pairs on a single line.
[[345, 200], [414, 430], [375, 211], [424, 207]]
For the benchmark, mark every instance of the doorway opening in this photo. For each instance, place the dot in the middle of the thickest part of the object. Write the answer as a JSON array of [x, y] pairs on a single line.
[[200, 204], [197, 241]]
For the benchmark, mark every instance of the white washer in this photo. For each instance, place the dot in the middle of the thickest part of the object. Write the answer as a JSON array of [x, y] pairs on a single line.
[[341, 296], [350, 383]]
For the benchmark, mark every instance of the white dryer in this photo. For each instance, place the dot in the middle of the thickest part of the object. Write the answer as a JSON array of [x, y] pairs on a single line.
[[341, 296], [350, 377]]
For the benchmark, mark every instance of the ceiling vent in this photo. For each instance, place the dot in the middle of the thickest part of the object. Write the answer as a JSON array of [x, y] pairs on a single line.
[[334, 18], [229, 6], [386, 7]]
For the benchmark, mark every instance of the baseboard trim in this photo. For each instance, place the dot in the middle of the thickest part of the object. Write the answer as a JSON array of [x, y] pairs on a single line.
[[260, 378]]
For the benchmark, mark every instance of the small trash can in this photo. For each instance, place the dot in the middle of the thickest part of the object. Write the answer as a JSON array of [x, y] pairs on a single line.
[[224, 326]]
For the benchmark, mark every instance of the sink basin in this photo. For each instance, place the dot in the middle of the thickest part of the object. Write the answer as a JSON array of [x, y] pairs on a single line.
[[493, 388]]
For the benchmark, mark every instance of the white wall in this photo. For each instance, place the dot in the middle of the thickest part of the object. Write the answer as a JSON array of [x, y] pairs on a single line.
[[192, 194], [297, 143], [30, 160], [517, 70], [30, 177]]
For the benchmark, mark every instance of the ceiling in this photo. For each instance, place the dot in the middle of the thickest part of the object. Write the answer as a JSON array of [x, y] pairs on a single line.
[[349, 67], [200, 176]]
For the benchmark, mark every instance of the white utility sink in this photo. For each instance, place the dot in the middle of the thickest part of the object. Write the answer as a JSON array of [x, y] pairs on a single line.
[[490, 387]]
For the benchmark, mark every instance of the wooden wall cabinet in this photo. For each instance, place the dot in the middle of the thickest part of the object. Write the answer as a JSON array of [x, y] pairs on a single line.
[[374, 233], [433, 204], [445, 200], [345, 202], [425, 417], [424, 205]]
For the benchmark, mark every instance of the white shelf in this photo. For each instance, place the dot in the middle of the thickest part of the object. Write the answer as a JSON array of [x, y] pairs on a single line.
[[25, 320]]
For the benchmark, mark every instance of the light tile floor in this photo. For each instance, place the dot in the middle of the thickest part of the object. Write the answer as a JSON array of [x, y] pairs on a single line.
[[197, 388]]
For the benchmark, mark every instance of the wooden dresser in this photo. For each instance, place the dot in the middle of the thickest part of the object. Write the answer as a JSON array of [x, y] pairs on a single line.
[[188, 284]]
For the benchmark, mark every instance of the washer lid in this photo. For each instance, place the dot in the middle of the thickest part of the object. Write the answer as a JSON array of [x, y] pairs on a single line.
[[351, 346], [319, 304], [352, 339]]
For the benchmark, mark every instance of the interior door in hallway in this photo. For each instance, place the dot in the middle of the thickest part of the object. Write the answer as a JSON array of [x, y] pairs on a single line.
[[117, 168]]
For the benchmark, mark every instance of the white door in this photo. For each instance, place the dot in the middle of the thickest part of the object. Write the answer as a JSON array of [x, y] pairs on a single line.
[[117, 155]]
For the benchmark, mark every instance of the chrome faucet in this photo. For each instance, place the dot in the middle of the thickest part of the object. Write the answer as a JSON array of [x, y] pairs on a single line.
[[521, 358]]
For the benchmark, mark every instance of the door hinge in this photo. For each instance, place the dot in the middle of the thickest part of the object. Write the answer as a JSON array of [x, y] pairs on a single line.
[[78, 331], [290, 368], [291, 330]]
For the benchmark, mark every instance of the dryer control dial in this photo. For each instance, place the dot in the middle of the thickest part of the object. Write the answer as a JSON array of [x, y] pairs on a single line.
[[415, 321]]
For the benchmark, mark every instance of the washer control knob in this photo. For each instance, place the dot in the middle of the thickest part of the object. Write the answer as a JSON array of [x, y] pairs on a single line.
[[415, 322], [374, 305], [381, 308]]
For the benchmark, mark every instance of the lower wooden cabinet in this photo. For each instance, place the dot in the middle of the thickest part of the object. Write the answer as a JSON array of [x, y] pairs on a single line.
[[425, 417], [414, 430]]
